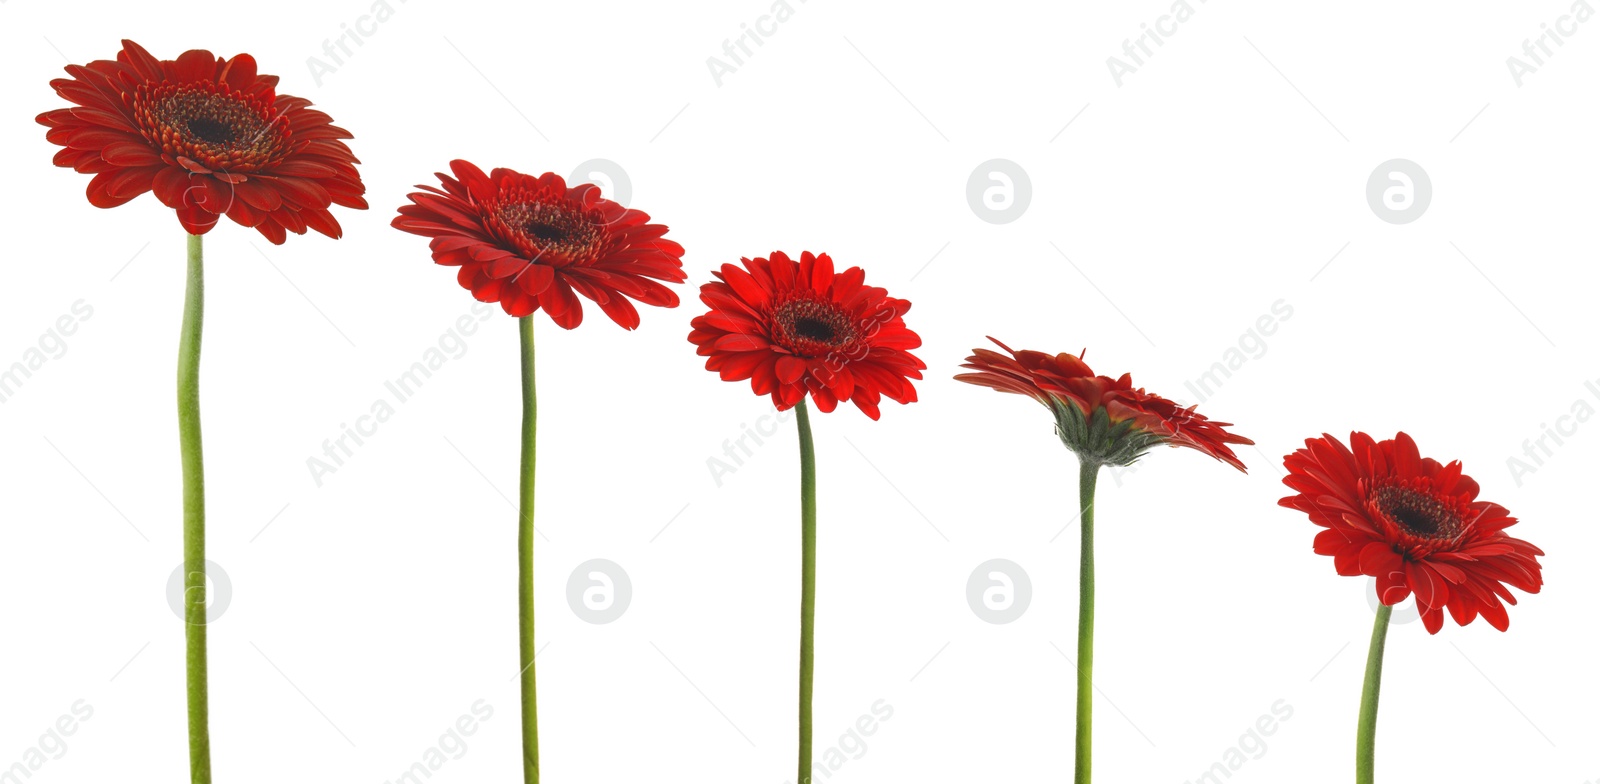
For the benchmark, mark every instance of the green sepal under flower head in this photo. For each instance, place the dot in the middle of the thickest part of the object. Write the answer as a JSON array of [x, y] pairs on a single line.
[[1098, 440]]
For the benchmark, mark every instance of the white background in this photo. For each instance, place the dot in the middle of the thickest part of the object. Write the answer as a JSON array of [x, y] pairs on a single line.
[[1222, 176]]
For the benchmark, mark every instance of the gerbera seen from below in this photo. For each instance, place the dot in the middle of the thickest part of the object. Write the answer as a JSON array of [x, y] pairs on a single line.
[[1417, 526], [532, 243], [210, 136], [797, 328], [1104, 421]]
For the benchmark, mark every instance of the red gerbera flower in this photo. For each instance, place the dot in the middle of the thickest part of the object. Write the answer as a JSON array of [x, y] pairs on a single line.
[[209, 136], [531, 242], [796, 328], [1413, 524], [1102, 419]]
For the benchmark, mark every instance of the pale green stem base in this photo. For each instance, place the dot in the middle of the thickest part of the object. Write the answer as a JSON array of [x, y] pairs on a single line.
[[1087, 474], [194, 516], [530, 709], [808, 584], [1367, 724]]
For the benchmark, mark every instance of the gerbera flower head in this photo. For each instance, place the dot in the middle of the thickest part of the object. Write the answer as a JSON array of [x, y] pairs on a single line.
[[1103, 420], [1414, 524], [797, 328], [209, 136], [532, 242]]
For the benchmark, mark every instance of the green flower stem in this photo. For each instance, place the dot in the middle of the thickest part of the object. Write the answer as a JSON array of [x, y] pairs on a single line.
[[1367, 725], [530, 707], [194, 516], [808, 584], [1087, 473]]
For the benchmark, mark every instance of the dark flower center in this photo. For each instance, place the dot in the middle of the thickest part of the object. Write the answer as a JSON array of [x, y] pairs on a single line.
[[210, 118], [546, 233], [1417, 513], [811, 327], [209, 130], [814, 329], [206, 123], [554, 232]]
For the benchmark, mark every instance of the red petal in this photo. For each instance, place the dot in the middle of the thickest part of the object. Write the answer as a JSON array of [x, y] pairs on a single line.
[[790, 369], [239, 73], [195, 65]]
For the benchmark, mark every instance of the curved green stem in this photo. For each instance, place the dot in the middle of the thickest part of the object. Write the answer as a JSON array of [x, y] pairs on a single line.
[[530, 707], [808, 584], [194, 516], [1367, 725], [1087, 473]]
